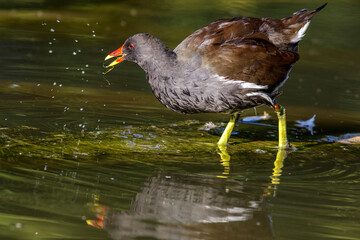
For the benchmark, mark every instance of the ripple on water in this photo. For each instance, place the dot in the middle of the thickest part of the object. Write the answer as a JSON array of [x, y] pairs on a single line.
[[319, 193]]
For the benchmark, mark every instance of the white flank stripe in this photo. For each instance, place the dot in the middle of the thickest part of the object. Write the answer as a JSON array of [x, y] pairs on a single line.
[[252, 85], [260, 94], [283, 82], [301, 33], [242, 83]]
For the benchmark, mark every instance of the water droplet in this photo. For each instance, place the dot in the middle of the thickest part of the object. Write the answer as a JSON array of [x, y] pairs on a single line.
[[94, 35], [93, 31], [82, 90], [38, 85], [14, 85], [87, 65], [60, 85], [18, 225], [81, 109], [88, 24], [74, 53], [54, 39], [54, 83], [50, 51], [67, 68], [79, 50], [50, 43], [133, 12], [58, 20], [82, 72], [52, 30], [76, 40]]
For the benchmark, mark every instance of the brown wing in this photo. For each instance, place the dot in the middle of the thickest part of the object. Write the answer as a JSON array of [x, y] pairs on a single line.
[[219, 32], [283, 33], [252, 60], [246, 49]]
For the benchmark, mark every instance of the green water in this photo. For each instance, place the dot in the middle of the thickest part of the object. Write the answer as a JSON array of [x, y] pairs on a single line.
[[82, 159]]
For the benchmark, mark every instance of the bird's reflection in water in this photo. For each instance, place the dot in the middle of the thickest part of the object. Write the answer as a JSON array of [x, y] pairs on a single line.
[[224, 161], [278, 165], [181, 206], [275, 176], [184, 206]]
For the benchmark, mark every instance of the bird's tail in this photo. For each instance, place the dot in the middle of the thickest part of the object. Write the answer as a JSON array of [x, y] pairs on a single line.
[[299, 22], [302, 16]]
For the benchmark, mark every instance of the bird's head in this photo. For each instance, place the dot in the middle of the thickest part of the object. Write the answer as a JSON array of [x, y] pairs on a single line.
[[137, 48]]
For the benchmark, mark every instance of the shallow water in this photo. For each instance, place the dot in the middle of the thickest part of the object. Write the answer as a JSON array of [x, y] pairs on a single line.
[[82, 159]]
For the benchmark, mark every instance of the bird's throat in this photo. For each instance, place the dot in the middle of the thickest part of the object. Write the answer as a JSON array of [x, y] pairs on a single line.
[[159, 63]]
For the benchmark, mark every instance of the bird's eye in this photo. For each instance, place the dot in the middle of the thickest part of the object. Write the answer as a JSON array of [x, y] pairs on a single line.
[[131, 46]]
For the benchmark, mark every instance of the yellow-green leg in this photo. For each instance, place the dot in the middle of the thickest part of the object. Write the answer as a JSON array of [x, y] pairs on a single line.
[[281, 114], [228, 130]]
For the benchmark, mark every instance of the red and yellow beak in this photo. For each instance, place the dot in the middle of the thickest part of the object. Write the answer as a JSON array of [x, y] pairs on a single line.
[[119, 57]]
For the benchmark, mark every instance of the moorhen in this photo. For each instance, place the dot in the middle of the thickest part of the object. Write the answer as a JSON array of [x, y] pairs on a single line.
[[226, 67]]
